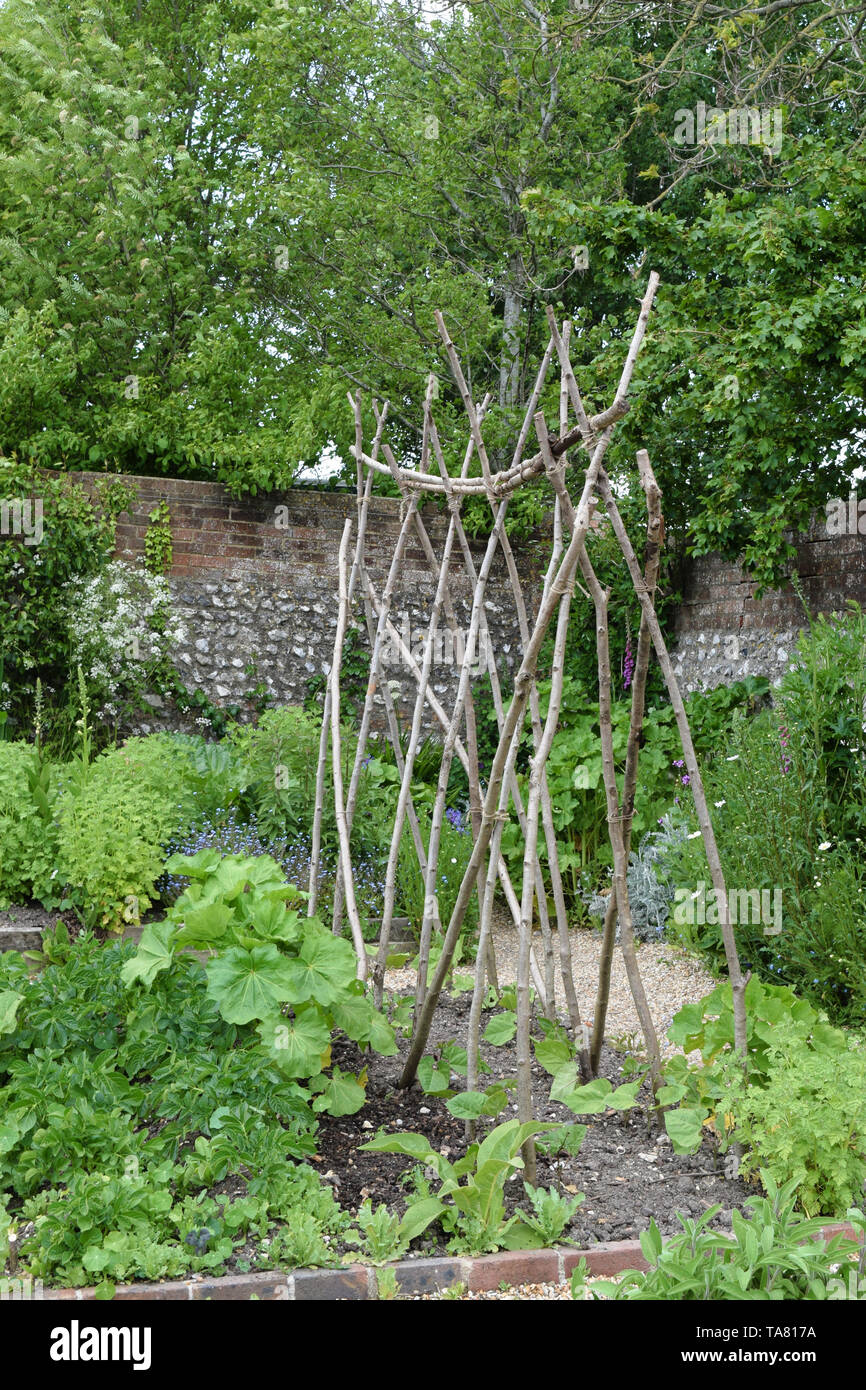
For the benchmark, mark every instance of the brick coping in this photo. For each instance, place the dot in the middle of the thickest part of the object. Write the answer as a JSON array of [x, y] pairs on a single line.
[[358, 1282]]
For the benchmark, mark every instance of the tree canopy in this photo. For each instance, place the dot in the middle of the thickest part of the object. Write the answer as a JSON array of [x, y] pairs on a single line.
[[219, 215]]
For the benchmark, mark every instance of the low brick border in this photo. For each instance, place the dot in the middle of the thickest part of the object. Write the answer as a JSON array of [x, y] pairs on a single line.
[[359, 1282]]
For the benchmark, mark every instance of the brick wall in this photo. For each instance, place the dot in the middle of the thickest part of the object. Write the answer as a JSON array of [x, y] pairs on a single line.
[[723, 632], [248, 588]]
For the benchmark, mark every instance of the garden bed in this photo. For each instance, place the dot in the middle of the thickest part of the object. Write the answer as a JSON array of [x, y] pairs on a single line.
[[626, 1166]]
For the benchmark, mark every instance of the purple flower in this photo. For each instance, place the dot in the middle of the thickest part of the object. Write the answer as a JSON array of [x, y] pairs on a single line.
[[628, 663]]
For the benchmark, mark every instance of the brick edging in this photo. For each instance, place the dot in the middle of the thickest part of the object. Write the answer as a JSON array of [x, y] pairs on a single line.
[[358, 1282]]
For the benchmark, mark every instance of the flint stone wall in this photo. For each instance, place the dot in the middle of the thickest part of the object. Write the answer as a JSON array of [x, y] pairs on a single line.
[[723, 632], [251, 590]]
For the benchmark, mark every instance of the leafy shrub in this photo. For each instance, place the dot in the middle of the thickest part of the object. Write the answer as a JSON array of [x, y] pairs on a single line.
[[455, 851], [226, 833], [28, 836], [280, 756], [798, 1112], [215, 776], [806, 1123], [822, 703], [473, 1212], [77, 540], [114, 817], [773, 1254], [771, 836], [273, 967], [575, 779], [121, 634], [650, 891], [132, 1106]]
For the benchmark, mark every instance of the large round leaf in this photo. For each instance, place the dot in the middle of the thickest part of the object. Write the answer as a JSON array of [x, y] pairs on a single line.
[[341, 1094], [325, 967], [249, 984], [155, 953], [297, 1044]]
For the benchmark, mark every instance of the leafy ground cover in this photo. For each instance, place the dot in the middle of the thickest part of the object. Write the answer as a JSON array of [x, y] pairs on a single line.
[[145, 1136]]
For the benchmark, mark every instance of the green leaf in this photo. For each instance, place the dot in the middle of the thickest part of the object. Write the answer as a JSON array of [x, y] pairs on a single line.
[[584, 1100], [670, 1094], [468, 1105], [455, 1057], [419, 1216], [521, 1234], [624, 1097], [413, 1145], [433, 1079], [342, 1094], [249, 984], [500, 1030], [651, 1243], [9, 1003], [197, 866], [326, 965], [296, 1045], [155, 953], [9, 1137], [552, 1054], [360, 1021], [685, 1128], [202, 925]]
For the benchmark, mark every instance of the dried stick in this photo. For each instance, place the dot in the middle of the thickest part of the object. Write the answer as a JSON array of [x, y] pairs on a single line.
[[339, 807], [652, 558], [318, 810], [508, 481], [514, 580], [617, 840], [494, 857], [738, 983], [620, 858], [536, 767], [358, 567], [506, 751], [547, 994], [503, 761], [443, 719]]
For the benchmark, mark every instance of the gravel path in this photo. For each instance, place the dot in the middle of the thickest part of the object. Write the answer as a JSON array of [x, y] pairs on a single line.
[[671, 978], [518, 1293]]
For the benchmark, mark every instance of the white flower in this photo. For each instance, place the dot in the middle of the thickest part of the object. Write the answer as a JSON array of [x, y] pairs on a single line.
[[826, 845], [719, 803], [694, 835]]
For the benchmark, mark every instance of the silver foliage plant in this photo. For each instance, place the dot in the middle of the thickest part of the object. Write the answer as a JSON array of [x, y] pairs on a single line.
[[650, 889]]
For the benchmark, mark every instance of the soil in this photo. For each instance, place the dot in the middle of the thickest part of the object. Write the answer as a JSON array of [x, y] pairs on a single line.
[[626, 1166]]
